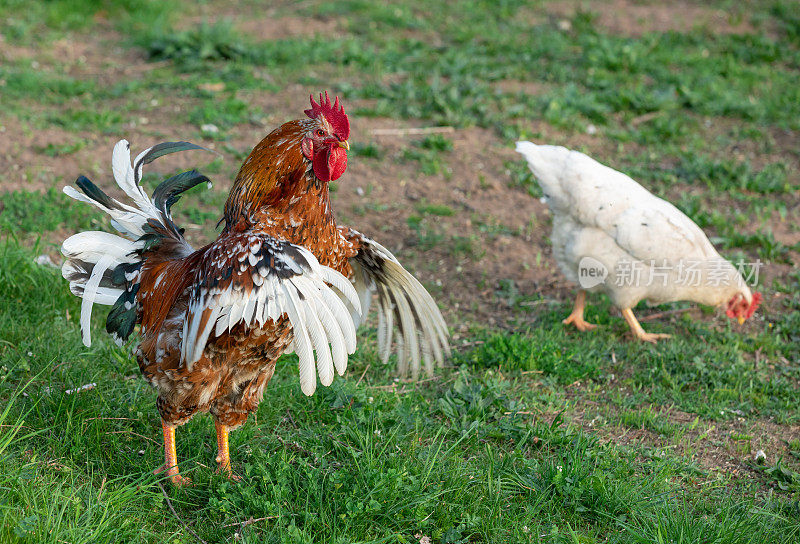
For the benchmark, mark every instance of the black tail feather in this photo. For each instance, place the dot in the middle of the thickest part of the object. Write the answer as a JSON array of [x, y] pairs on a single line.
[[159, 150], [123, 316], [171, 189], [96, 193]]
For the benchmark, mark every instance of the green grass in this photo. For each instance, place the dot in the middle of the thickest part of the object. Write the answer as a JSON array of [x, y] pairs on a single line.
[[682, 372], [25, 21], [592, 76], [456, 459], [33, 212], [533, 433]]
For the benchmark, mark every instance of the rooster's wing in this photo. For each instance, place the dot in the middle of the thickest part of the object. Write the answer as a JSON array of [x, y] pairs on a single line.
[[402, 300], [254, 278]]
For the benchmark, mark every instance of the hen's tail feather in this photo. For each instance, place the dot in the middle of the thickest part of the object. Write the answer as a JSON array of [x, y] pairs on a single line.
[[104, 268], [548, 163]]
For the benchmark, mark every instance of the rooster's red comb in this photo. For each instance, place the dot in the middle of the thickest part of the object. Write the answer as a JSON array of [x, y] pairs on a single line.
[[334, 113]]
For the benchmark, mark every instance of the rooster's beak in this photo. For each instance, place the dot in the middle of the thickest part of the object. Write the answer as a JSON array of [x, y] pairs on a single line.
[[345, 145], [741, 320]]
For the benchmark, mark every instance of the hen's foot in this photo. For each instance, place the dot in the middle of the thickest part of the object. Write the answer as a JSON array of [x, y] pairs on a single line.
[[231, 476], [227, 472], [576, 317], [637, 329], [651, 337], [580, 324]]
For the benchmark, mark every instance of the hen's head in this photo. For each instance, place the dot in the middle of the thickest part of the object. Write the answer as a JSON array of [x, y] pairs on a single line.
[[325, 140], [742, 305]]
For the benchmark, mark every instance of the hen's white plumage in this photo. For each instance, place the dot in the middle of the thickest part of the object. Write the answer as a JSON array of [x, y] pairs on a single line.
[[650, 249]]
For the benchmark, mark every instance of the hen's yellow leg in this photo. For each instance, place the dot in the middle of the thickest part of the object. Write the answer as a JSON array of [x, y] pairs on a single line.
[[223, 452], [576, 317], [637, 329], [171, 457]]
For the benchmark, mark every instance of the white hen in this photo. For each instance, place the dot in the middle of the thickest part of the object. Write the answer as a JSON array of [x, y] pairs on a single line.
[[611, 235]]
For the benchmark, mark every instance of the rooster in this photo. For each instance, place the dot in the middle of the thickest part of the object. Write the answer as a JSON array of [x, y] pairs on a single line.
[[281, 277], [612, 235]]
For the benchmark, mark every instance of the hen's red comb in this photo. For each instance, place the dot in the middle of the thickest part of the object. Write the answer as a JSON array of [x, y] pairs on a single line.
[[334, 113], [753, 305]]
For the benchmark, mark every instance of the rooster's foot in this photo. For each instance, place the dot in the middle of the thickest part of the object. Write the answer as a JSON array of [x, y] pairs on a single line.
[[224, 468], [229, 474], [174, 477]]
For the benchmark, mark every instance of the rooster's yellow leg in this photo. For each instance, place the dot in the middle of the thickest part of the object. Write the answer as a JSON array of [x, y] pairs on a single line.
[[576, 317], [637, 329], [223, 452], [171, 457]]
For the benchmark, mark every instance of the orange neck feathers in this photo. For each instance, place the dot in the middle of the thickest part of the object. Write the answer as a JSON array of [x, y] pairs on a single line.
[[273, 176]]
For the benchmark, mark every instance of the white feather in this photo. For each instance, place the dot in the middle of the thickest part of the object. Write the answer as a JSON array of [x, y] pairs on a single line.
[[431, 321], [222, 321], [343, 285], [278, 308], [121, 164], [342, 316], [312, 301], [302, 344], [91, 245], [89, 293], [386, 307], [249, 309], [402, 363], [262, 299], [409, 334], [334, 335], [106, 296], [237, 310], [381, 330], [199, 343], [320, 342], [364, 291], [130, 219]]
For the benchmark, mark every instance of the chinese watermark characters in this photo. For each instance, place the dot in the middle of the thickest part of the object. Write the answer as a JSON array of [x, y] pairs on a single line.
[[684, 272]]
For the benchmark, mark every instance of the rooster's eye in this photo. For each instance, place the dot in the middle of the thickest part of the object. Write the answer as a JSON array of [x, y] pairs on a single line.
[[320, 132]]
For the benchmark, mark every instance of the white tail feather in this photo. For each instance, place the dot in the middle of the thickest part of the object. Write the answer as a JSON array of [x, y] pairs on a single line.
[[89, 291], [89, 255]]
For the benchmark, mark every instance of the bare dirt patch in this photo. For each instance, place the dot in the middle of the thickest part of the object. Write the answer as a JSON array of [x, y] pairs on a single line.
[[264, 23], [724, 445], [631, 18], [288, 27], [21, 147], [524, 87]]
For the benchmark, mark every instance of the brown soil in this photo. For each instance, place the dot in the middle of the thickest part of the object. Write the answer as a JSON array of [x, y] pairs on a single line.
[[725, 445], [263, 22], [287, 27], [632, 18]]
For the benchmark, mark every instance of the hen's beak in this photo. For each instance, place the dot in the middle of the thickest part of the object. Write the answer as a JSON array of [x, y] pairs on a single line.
[[345, 145], [741, 320]]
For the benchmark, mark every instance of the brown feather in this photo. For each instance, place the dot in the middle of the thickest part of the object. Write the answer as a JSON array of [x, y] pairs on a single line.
[[275, 193]]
